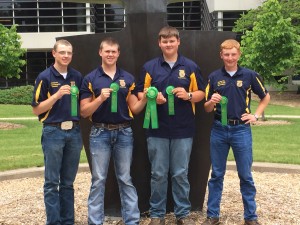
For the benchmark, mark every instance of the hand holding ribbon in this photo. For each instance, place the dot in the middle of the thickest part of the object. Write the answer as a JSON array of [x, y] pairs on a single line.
[[74, 99], [223, 104], [114, 96], [151, 110], [169, 91]]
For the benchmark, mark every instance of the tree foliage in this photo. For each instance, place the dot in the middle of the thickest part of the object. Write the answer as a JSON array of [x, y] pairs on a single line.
[[10, 52], [270, 40]]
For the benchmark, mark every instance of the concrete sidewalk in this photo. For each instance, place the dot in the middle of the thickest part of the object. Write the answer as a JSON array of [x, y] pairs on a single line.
[[269, 167], [19, 118], [33, 172], [84, 167], [283, 116]]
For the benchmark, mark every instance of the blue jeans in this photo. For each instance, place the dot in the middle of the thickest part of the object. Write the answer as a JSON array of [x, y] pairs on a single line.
[[239, 138], [118, 144], [169, 156], [61, 157]]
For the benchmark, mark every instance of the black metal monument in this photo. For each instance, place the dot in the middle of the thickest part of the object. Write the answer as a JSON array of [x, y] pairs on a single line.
[[139, 43]]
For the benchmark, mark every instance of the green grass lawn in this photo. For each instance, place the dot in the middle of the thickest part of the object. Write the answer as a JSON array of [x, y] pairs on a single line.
[[21, 148], [15, 111], [276, 143], [278, 109]]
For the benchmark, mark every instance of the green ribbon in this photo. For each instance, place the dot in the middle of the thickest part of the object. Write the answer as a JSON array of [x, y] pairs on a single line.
[[223, 104], [114, 96], [74, 99], [170, 100], [151, 110]]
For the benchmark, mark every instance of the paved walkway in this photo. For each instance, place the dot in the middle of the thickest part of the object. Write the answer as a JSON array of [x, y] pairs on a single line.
[[83, 167], [19, 118], [283, 116]]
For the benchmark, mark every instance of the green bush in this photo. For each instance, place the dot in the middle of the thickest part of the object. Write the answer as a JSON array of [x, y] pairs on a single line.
[[17, 96]]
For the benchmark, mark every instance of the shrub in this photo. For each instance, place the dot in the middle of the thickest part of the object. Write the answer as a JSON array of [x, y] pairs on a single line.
[[17, 96]]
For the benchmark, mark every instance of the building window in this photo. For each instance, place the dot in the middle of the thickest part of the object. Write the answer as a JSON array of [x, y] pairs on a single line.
[[6, 14], [108, 17], [225, 21], [44, 16], [25, 15], [74, 18], [185, 15], [36, 63], [50, 17], [229, 19], [56, 16]]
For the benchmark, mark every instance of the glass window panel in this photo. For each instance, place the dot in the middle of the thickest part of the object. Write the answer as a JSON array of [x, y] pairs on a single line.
[[50, 28], [184, 15], [26, 16], [50, 14], [36, 63], [6, 13], [99, 18], [74, 27], [175, 14], [27, 28], [229, 19], [49, 58], [108, 18], [192, 17], [74, 12], [6, 9], [74, 18], [74, 5], [57, 16]]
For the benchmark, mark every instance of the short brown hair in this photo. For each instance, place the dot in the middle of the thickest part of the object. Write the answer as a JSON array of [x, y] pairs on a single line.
[[167, 32], [61, 42], [229, 44], [109, 41]]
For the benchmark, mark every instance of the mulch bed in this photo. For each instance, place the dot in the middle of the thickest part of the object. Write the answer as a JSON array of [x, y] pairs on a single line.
[[278, 200], [9, 126]]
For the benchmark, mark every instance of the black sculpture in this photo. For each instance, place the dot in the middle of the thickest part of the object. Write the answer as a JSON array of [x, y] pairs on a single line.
[[138, 42]]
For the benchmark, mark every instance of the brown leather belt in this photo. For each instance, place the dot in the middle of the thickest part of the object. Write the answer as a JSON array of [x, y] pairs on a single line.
[[109, 126]]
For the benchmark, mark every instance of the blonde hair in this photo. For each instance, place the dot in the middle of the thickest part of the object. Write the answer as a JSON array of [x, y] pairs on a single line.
[[229, 44], [167, 32], [61, 42], [109, 41]]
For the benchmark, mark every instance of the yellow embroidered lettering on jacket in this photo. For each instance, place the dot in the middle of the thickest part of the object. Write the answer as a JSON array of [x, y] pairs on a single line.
[[55, 84], [221, 83]]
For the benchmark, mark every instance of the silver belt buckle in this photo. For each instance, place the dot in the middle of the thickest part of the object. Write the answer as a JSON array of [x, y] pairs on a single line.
[[66, 125]]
